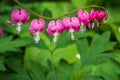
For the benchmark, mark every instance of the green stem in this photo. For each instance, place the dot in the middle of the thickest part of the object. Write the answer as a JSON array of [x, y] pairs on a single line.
[[52, 60], [51, 55], [55, 18]]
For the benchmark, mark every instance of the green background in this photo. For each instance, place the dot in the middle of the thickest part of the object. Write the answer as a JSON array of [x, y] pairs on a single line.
[[99, 49]]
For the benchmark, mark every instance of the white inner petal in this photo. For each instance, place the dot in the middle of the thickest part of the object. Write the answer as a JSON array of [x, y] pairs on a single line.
[[92, 25], [37, 37], [55, 37], [71, 30], [18, 27], [72, 35], [82, 29]]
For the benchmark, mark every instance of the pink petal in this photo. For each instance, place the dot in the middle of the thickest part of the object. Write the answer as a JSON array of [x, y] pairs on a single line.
[[67, 23], [15, 16], [75, 23]]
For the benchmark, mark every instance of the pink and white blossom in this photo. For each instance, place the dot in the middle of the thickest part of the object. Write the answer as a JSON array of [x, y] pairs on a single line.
[[37, 27], [71, 25], [19, 17]]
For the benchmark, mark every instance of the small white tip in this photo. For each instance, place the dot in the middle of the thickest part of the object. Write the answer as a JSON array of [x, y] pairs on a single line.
[[18, 29], [36, 37], [89, 25], [72, 36], [55, 38]]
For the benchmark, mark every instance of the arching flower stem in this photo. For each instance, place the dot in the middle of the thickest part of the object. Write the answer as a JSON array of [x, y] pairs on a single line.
[[55, 18]]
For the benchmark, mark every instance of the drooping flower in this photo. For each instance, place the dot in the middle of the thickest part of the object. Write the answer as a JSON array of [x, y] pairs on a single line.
[[1, 32], [71, 25], [37, 27], [55, 28], [100, 15], [19, 17], [92, 17], [83, 17]]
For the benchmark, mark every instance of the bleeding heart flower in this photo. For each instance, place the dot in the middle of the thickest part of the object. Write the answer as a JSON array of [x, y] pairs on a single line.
[[37, 27], [100, 15], [83, 17], [55, 28], [71, 25], [19, 17], [1, 32], [92, 17]]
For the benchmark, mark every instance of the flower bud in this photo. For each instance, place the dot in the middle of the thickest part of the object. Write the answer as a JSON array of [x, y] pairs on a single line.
[[100, 15], [92, 17]]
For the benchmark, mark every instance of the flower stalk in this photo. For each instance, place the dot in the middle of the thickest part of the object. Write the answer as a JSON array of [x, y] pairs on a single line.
[[55, 18]]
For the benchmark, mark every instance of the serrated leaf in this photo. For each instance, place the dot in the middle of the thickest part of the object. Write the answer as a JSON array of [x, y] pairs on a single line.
[[64, 71], [41, 44], [36, 71], [105, 36], [108, 73], [36, 54], [2, 67], [64, 40], [68, 54], [99, 45], [116, 65], [12, 45], [51, 76]]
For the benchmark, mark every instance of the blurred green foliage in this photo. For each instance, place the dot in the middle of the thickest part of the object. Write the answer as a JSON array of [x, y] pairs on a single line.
[[99, 49]]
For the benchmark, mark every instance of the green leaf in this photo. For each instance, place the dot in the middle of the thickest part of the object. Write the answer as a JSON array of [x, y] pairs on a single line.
[[36, 54], [112, 16], [13, 76], [68, 54], [82, 46], [41, 44], [94, 53], [15, 70], [2, 67], [8, 45], [64, 40], [116, 32], [51, 76], [15, 64], [36, 71], [64, 71], [116, 65], [108, 73]]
